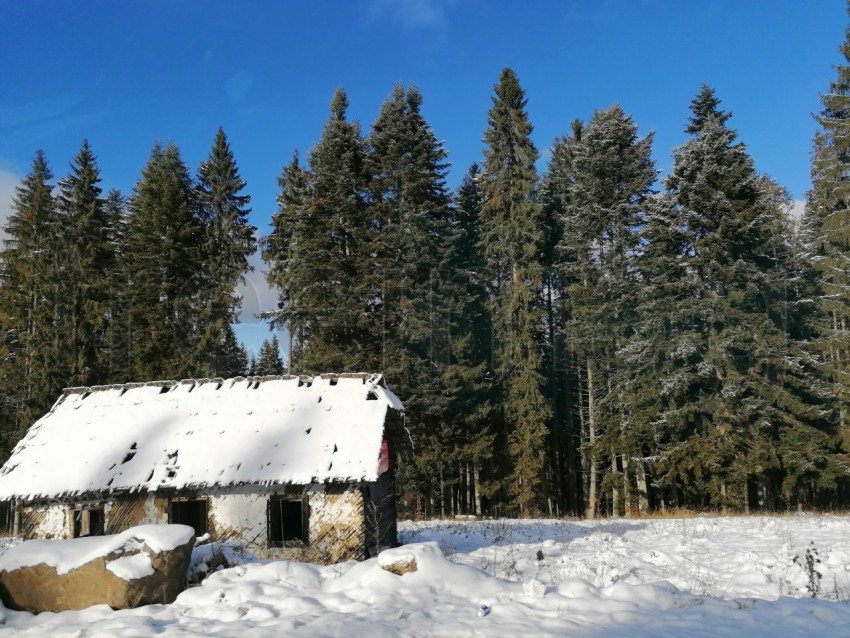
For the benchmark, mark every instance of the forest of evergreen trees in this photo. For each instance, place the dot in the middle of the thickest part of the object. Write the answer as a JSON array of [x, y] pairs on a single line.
[[586, 341]]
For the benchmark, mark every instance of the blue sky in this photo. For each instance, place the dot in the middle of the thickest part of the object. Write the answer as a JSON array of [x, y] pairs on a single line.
[[125, 74]]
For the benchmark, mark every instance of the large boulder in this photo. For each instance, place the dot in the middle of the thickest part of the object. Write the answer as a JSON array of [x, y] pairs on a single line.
[[144, 565]]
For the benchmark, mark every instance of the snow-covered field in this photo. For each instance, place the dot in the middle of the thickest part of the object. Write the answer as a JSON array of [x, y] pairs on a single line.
[[744, 576]]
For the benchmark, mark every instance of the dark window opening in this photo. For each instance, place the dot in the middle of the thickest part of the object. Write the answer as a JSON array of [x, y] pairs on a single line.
[[96, 522], [189, 512], [7, 518], [89, 522], [287, 522]]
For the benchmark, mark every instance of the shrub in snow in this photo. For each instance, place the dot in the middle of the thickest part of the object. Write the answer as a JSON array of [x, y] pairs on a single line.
[[210, 557]]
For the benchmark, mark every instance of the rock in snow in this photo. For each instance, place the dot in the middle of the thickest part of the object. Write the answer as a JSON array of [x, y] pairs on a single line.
[[144, 565]]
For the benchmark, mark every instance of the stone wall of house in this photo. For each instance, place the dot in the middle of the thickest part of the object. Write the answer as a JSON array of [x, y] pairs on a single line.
[[335, 528], [337, 524], [55, 519], [46, 520], [126, 511]]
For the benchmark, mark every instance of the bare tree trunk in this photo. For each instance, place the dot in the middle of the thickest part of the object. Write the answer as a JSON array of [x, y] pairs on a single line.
[[445, 497], [627, 489], [470, 488], [556, 482], [643, 493], [837, 327], [477, 475], [572, 502], [461, 488], [615, 489], [583, 482], [591, 453]]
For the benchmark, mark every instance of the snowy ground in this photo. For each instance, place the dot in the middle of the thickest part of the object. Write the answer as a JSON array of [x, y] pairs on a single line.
[[689, 577]]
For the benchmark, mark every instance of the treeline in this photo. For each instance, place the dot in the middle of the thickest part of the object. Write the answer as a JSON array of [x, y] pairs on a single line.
[[98, 288], [585, 341], [579, 342], [574, 342]]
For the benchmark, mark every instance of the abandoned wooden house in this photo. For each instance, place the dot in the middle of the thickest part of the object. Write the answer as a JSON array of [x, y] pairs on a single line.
[[298, 467]]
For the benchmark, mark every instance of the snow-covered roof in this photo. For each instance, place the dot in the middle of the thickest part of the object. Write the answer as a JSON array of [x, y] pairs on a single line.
[[193, 433]]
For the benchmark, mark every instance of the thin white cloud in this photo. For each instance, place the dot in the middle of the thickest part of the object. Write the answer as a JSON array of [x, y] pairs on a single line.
[[256, 294], [257, 297], [49, 109], [8, 182], [238, 85], [798, 207], [410, 13]]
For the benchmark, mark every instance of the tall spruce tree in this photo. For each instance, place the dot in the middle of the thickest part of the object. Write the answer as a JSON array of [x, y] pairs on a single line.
[[318, 261], [229, 241], [280, 251], [741, 412], [611, 174], [566, 452], [116, 346], [89, 260], [826, 226], [512, 238], [410, 208], [467, 379], [409, 204], [162, 259], [29, 292]]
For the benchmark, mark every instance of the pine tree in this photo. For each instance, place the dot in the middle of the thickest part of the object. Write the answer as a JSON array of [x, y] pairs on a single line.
[[511, 240], [162, 259], [410, 206], [566, 453], [89, 259], [467, 379], [319, 263], [280, 251], [452, 426], [738, 398], [611, 174], [116, 347], [269, 360], [29, 289], [233, 360], [827, 233], [229, 241]]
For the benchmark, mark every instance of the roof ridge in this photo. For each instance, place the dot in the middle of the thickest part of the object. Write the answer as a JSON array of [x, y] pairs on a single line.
[[163, 383]]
